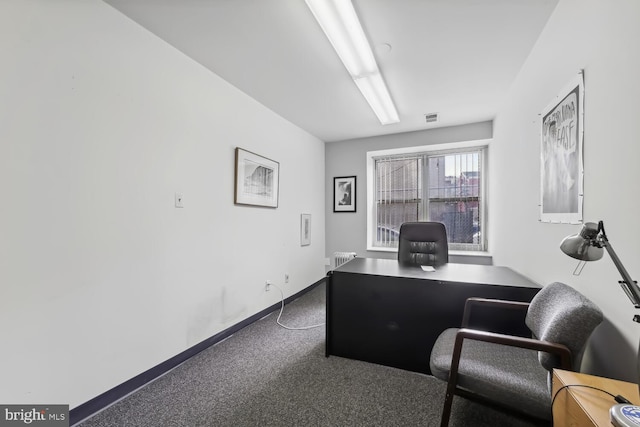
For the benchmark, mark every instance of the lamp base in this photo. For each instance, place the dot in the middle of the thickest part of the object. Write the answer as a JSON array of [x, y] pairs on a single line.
[[624, 415]]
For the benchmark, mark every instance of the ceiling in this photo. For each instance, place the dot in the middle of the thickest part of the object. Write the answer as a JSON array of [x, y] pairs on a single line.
[[456, 58]]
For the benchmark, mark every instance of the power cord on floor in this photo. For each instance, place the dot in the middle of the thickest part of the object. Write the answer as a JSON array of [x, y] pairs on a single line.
[[302, 328]]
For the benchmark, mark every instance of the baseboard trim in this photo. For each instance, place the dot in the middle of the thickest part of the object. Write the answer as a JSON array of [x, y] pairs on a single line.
[[109, 397]]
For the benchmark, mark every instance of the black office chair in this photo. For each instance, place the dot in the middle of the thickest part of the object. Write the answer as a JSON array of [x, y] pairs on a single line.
[[423, 243], [515, 372]]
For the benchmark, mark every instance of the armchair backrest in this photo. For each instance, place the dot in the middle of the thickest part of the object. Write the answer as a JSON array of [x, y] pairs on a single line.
[[423, 243], [561, 314]]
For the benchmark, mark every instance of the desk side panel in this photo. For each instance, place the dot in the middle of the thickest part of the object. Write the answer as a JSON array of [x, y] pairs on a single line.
[[328, 318]]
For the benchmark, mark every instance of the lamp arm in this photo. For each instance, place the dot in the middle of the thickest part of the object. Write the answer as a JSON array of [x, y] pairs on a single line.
[[629, 285]]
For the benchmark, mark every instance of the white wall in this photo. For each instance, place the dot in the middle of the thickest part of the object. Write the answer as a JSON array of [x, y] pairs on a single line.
[[603, 38], [101, 278], [348, 231]]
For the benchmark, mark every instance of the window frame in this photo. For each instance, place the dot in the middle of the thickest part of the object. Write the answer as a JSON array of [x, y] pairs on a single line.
[[445, 148]]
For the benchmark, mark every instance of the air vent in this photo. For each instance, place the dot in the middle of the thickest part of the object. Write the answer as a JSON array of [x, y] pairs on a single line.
[[431, 117]]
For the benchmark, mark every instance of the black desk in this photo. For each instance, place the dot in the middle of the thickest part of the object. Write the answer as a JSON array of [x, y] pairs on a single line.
[[381, 312]]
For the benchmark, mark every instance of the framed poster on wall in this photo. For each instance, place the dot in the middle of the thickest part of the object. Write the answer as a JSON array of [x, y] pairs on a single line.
[[256, 180], [344, 194], [561, 160]]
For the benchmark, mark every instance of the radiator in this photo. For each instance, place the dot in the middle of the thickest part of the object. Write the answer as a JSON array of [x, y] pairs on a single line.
[[340, 258]]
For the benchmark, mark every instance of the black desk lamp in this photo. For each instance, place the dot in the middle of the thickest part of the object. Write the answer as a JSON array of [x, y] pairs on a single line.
[[588, 246]]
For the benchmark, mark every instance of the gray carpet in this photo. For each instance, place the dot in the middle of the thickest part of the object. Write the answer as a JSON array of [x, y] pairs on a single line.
[[265, 375]]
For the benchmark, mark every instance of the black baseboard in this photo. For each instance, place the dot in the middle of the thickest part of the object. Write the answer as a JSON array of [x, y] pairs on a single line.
[[87, 409]]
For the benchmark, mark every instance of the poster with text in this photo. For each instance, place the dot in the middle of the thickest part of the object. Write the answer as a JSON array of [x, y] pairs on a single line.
[[561, 156]]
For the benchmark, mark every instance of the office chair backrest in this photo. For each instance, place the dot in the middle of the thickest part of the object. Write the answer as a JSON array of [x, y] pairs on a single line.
[[560, 314], [423, 243]]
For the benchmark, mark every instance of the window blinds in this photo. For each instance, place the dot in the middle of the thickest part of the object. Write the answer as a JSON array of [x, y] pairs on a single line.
[[436, 186]]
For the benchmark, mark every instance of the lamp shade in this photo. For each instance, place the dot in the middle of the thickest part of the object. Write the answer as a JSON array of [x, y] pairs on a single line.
[[583, 246]]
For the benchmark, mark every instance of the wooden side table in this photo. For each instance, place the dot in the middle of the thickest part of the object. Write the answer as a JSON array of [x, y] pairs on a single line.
[[585, 407]]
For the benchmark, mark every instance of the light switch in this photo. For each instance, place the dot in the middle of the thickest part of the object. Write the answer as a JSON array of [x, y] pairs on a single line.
[[179, 200]]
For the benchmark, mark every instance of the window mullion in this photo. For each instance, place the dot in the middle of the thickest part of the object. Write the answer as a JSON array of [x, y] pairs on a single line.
[[425, 188]]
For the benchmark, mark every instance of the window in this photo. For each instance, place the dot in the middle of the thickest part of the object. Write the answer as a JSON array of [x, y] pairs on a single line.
[[445, 186]]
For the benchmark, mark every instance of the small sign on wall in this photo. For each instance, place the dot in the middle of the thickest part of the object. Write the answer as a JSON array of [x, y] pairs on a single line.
[[305, 229]]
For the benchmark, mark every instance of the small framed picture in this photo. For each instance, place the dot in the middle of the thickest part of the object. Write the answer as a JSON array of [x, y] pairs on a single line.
[[256, 180], [305, 229], [344, 194]]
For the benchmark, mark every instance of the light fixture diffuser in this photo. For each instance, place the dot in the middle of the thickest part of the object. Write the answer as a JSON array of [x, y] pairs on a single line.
[[375, 92], [340, 23]]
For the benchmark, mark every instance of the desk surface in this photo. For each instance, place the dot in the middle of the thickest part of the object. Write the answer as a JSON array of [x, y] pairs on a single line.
[[459, 273]]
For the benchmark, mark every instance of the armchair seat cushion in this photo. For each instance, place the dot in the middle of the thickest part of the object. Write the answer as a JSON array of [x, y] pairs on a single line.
[[511, 375]]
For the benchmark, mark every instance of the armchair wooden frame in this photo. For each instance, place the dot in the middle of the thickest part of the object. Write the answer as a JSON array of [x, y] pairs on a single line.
[[466, 333]]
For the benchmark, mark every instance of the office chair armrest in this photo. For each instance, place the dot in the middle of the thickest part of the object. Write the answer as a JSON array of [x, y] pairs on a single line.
[[560, 350], [472, 334], [472, 302]]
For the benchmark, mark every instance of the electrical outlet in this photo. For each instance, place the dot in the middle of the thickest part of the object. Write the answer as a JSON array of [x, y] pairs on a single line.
[[286, 277], [267, 286]]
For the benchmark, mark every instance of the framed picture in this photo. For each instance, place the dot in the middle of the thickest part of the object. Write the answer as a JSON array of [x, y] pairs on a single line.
[[561, 165], [344, 194], [305, 229], [256, 180]]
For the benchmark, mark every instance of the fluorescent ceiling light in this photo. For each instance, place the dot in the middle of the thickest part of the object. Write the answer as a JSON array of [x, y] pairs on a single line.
[[339, 21], [377, 95]]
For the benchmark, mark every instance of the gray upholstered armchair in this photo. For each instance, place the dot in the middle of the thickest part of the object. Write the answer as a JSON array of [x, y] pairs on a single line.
[[515, 372], [423, 243]]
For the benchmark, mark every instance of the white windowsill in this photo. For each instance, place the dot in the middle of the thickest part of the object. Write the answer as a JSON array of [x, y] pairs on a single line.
[[471, 253], [452, 252], [376, 249], [456, 256]]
